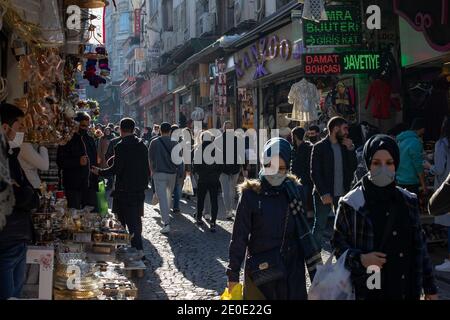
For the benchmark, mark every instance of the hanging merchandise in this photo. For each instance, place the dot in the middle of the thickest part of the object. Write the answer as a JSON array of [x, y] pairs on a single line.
[[87, 4], [314, 10], [52, 34], [380, 94], [306, 99], [3, 10], [198, 114], [3, 89], [341, 102]]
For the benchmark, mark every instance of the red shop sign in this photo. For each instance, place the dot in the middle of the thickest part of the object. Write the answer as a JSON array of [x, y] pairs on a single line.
[[322, 64]]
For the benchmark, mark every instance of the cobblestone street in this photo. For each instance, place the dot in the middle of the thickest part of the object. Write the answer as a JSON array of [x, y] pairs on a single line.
[[190, 262]]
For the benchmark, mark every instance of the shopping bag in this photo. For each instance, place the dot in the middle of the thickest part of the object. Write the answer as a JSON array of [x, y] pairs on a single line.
[[332, 281], [236, 293], [187, 186], [155, 199], [102, 201]]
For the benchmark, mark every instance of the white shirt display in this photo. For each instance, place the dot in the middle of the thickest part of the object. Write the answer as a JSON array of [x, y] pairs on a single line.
[[306, 100]]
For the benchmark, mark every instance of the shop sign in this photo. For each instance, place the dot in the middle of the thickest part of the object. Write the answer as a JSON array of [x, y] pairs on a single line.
[[272, 54], [343, 28], [322, 64], [137, 22], [360, 62], [344, 63], [429, 17]]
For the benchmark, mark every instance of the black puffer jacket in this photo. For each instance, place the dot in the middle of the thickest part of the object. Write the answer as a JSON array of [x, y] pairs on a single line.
[[301, 162], [19, 227]]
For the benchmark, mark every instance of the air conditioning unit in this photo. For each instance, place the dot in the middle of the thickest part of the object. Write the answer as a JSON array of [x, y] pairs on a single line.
[[244, 12], [207, 23]]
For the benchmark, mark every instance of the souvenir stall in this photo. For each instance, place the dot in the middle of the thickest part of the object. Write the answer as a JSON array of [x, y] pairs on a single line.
[[78, 254]]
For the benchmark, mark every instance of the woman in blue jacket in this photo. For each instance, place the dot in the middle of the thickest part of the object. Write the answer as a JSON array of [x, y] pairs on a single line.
[[271, 233]]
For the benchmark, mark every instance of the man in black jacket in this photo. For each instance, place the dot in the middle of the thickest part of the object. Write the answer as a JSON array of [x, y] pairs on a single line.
[[333, 163], [301, 160], [75, 159], [132, 171], [18, 231]]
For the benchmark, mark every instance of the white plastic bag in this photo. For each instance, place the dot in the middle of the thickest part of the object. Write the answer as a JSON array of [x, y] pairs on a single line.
[[332, 281], [187, 186]]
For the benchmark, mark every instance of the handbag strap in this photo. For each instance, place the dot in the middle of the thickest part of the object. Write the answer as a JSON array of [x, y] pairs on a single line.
[[285, 230], [165, 147]]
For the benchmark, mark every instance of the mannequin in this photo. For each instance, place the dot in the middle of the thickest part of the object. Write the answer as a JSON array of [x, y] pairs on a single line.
[[306, 100], [341, 102]]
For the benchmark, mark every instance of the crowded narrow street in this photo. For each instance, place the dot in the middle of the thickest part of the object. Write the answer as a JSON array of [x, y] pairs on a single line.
[[190, 265]]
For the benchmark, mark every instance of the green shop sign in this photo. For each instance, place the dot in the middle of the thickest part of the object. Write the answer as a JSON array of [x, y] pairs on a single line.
[[343, 28], [360, 62]]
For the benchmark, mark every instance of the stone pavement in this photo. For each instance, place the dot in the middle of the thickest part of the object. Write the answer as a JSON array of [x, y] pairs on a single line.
[[189, 264]]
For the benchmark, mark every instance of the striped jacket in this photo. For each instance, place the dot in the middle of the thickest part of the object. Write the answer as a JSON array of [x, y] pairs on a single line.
[[352, 219]]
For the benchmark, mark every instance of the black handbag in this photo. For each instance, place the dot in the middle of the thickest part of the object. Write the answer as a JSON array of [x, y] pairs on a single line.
[[268, 266]]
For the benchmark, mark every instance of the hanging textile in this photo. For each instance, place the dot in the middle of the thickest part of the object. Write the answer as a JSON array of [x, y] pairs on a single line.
[[314, 10], [306, 99]]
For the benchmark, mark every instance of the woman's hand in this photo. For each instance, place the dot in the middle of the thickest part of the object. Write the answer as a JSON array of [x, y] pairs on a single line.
[[231, 285], [373, 259]]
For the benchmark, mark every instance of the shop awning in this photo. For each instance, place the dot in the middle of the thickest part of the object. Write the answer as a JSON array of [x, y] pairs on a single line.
[[212, 52], [179, 55]]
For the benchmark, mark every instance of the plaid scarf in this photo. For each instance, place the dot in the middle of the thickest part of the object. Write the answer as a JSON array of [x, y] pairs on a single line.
[[311, 249]]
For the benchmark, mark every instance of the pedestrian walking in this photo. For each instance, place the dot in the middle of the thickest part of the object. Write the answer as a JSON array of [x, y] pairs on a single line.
[[333, 163], [271, 230], [410, 174], [208, 179], [132, 172], [164, 171], [177, 191], [231, 168], [75, 159], [301, 161], [379, 224], [16, 235]]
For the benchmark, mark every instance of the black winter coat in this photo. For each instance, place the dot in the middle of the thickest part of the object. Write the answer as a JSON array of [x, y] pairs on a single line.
[[75, 176], [301, 162], [131, 167], [322, 167], [207, 173]]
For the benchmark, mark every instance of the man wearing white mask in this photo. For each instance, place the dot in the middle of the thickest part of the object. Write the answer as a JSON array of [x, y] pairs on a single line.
[[17, 233]]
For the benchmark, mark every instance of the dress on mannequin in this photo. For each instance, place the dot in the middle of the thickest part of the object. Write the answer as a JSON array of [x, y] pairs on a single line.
[[306, 99]]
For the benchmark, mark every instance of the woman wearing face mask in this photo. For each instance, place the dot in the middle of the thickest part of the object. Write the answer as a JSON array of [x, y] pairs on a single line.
[[378, 223], [271, 233]]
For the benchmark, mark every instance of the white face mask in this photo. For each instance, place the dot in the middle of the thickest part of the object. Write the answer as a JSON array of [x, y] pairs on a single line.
[[382, 176], [18, 140], [275, 180]]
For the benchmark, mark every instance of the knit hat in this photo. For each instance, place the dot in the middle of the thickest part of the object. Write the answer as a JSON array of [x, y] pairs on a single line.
[[277, 146], [381, 142]]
